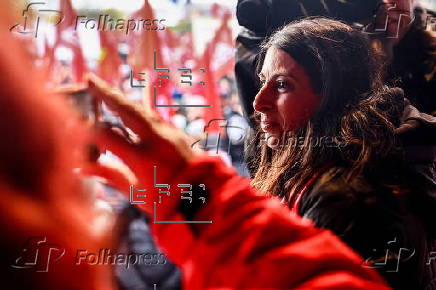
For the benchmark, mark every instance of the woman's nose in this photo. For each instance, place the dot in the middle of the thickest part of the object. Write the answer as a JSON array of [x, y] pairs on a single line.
[[262, 102]]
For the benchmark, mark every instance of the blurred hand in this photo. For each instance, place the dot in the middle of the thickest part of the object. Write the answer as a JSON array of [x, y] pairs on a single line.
[[158, 143]]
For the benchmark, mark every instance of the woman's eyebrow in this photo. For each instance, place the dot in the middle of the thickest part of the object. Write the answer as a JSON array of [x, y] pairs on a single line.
[[278, 74]]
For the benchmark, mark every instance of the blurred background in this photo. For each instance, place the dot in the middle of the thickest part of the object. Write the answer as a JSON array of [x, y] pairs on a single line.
[[176, 57], [143, 48]]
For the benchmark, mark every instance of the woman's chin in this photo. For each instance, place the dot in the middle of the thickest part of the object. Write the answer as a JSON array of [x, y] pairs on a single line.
[[273, 141]]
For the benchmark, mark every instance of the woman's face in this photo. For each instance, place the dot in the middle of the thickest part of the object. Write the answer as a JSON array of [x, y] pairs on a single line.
[[286, 100]]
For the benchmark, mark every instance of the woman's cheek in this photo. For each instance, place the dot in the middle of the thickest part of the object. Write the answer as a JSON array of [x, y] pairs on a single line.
[[297, 111], [294, 114]]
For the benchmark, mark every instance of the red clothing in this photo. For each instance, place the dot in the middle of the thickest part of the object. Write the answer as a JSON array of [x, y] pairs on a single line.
[[254, 241]]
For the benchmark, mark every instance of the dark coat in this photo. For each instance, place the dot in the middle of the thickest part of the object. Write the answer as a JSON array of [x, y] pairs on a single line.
[[374, 217], [373, 221], [135, 237], [413, 68]]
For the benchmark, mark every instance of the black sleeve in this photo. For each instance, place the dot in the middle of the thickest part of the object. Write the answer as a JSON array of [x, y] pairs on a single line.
[[333, 204], [151, 267], [375, 223]]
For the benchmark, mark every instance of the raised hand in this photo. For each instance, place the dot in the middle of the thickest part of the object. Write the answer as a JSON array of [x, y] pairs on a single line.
[[157, 143]]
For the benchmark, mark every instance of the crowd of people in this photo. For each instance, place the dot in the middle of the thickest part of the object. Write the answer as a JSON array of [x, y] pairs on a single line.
[[350, 205]]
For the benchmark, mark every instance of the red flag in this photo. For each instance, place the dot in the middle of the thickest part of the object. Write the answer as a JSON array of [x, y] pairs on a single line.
[[177, 52], [218, 60], [223, 51], [66, 35], [110, 61], [79, 65], [48, 59], [210, 93], [187, 48], [69, 16], [144, 42], [147, 56]]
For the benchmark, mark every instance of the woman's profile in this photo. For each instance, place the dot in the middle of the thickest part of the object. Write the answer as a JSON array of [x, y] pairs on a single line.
[[321, 85]]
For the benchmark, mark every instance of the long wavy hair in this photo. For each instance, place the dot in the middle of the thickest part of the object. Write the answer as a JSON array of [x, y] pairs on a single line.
[[357, 112]]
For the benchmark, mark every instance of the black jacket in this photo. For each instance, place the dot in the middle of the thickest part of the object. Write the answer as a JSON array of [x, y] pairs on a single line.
[[369, 216], [157, 272], [373, 221], [413, 68]]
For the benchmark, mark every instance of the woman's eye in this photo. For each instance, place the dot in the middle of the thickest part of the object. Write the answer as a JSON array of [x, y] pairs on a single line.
[[282, 85]]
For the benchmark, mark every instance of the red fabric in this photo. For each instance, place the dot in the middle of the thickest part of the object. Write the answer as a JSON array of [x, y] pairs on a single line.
[[144, 42], [218, 60], [110, 62], [49, 59], [254, 242], [78, 62], [141, 59], [66, 35], [210, 91], [223, 54], [42, 143]]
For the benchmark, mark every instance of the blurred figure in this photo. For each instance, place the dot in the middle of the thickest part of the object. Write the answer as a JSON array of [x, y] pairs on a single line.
[[45, 207], [195, 126], [413, 63], [236, 131], [179, 119]]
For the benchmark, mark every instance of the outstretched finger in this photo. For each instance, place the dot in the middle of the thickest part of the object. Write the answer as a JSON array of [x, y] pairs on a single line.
[[117, 177], [107, 139], [69, 90]]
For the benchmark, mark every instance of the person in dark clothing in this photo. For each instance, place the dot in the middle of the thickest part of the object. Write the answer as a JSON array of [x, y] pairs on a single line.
[[411, 59], [321, 78], [136, 238], [260, 18], [413, 65]]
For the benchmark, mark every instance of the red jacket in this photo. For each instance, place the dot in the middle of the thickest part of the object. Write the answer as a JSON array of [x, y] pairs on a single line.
[[253, 241]]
